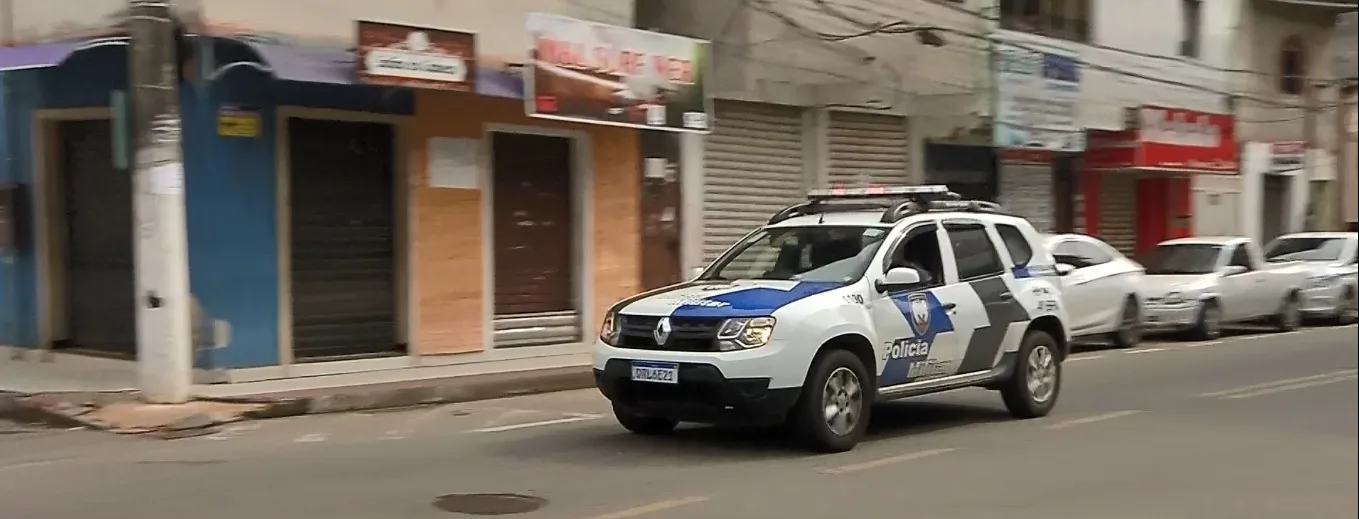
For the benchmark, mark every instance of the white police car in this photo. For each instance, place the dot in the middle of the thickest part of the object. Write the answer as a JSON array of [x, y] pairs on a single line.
[[853, 297]]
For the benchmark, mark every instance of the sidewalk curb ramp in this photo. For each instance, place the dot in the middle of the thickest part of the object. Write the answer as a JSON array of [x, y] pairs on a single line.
[[122, 413]]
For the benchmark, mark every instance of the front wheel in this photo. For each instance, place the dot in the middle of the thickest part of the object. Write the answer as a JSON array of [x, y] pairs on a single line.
[[1209, 325], [1032, 390], [832, 413], [1348, 311]]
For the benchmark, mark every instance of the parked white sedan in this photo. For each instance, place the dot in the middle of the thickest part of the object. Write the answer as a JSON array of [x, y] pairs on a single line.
[[1332, 263], [1100, 288]]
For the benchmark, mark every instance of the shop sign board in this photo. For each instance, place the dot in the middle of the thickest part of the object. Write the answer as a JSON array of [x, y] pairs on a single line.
[[1167, 139], [415, 57], [604, 74], [1038, 94], [1287, 157]]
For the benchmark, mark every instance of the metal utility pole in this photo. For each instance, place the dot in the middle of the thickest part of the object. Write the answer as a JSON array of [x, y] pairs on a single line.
[[164, 334]]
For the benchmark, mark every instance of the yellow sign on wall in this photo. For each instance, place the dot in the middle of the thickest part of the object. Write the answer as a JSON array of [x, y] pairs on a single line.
[[238, 123]]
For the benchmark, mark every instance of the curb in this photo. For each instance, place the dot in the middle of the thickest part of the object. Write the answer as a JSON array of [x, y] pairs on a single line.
[[69, 410], [412, 394]]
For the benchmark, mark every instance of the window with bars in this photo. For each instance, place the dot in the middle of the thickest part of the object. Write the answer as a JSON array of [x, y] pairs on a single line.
[[1063, 19]]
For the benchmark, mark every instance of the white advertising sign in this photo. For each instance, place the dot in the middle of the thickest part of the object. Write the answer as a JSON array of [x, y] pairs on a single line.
[[1037, 94]]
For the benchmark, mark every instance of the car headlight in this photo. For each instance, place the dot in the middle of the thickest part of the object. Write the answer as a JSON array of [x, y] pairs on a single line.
[[744, 333], [1174, 298], [610, 329]]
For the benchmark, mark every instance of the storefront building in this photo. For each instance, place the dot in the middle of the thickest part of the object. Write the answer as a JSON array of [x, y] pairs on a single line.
[[372, 196], [1160, 179]]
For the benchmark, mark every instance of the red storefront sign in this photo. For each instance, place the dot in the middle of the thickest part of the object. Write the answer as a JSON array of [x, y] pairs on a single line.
[[1167, 139]]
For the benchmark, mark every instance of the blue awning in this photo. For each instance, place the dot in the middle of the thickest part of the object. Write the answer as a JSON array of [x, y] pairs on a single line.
[[43, 55]]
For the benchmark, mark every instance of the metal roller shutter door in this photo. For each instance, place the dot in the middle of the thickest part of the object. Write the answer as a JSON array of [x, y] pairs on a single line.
[[1276, 205], [868, 149], [1026, 191], [343, 262], [1118, 212], [752, 169]]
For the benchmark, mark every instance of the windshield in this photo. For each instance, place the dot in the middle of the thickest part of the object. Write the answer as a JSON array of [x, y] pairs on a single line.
[[837, 254], [1305, 249], [1182, 259]]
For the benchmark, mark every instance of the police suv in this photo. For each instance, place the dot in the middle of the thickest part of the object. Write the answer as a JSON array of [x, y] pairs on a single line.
[[853, 297]]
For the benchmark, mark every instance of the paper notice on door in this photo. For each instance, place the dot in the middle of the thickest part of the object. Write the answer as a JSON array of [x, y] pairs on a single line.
[[167, 179], [453, 163]]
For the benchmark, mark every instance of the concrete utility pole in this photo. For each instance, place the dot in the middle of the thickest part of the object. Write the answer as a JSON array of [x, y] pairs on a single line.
[[1313, 216], [164, 334]]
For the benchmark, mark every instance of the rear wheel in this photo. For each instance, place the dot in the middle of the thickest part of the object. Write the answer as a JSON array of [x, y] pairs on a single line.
[[1348, 311], [1129, 331], [1289, 317], [832, 413], [643, 425], [1209, 325], [1033, 388]]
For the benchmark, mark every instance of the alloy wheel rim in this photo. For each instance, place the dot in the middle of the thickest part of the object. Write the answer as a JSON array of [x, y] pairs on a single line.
[[1132, 325], [1291, 314], [1042, 374], [1210, 323], [842, 401]]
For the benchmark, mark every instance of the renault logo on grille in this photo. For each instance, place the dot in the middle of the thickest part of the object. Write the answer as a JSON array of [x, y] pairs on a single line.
[[662, 331]]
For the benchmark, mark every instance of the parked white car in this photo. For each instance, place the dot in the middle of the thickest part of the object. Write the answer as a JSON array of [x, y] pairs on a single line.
[[1330, 260], [1198, 284], [1100, 287]]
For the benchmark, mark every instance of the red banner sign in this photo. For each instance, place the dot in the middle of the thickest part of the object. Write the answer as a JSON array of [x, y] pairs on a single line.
[[1170, 139]]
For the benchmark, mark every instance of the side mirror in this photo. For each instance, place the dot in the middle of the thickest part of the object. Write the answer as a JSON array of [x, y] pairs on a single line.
[[1232, 270], [695, 272], [899, 277], [1064, 269]]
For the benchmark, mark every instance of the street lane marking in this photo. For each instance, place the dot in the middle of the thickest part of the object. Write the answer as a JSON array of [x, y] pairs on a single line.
[[1276, 383], [652, 508], [1293, 387], [1085, 357], [1201, 344], [577, 417], [1140, 351], [311, 438], [1093, 419], [855, 467]]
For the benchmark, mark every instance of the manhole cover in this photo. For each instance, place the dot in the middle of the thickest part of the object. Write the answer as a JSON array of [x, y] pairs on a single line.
[[489, 504]]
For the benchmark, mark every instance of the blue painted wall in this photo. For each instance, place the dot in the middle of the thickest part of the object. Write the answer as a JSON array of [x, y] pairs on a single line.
[[229, 187]]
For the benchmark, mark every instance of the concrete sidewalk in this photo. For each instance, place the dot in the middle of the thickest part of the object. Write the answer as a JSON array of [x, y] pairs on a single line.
[[119, 410]]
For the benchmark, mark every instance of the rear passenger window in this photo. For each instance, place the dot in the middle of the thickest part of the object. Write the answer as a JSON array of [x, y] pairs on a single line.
[[1015, 243], [973, 250]]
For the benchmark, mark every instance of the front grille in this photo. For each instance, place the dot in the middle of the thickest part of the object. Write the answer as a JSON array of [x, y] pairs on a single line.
[[686, 333]]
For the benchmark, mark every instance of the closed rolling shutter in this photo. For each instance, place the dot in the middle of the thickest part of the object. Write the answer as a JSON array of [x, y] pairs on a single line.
[[1276, 207], [343, 262], [1118, 212], [1026, 191], [752, 169], [866, 149]]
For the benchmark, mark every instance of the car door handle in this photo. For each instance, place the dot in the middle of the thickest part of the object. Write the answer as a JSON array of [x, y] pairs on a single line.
[[950, 306], [1006, 296]]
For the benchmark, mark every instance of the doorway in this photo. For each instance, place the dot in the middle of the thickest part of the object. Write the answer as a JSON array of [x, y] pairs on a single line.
[[660, 208], [342, 239], [534, 240], [96, 279]]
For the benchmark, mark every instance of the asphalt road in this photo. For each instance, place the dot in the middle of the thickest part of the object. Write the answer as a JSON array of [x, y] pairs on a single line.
[[1252, 426]]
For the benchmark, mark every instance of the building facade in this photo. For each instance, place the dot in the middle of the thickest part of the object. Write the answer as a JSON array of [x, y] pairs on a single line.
[[344, 214]]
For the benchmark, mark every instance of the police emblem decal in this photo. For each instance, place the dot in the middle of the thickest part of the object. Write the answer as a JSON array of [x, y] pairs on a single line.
[[918, 313], [662, 331]]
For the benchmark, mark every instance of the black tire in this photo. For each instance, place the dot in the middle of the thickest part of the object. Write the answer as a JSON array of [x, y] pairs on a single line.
[[808, 422], [1349, 308], [1209, 324], [1129, 331], [1021, 401], [643, 425], [1289, 317]]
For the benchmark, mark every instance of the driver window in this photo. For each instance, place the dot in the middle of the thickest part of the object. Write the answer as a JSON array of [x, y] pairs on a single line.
[[1093, 254], [1240, 258], [919, 249]]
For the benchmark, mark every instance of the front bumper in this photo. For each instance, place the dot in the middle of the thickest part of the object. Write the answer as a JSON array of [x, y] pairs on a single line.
[[1170, 318], [703, 394], [1323, 300]]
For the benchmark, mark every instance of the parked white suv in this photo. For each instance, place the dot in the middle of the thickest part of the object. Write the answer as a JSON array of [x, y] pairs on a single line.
[[854, 297]]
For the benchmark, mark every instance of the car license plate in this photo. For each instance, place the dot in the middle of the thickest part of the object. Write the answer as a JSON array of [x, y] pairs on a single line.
[[662, 372]]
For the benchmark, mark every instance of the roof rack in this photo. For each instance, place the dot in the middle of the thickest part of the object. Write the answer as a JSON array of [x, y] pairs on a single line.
[[896, 202]]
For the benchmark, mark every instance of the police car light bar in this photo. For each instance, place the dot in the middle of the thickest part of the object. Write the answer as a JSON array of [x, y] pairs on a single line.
[[876, 191]]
